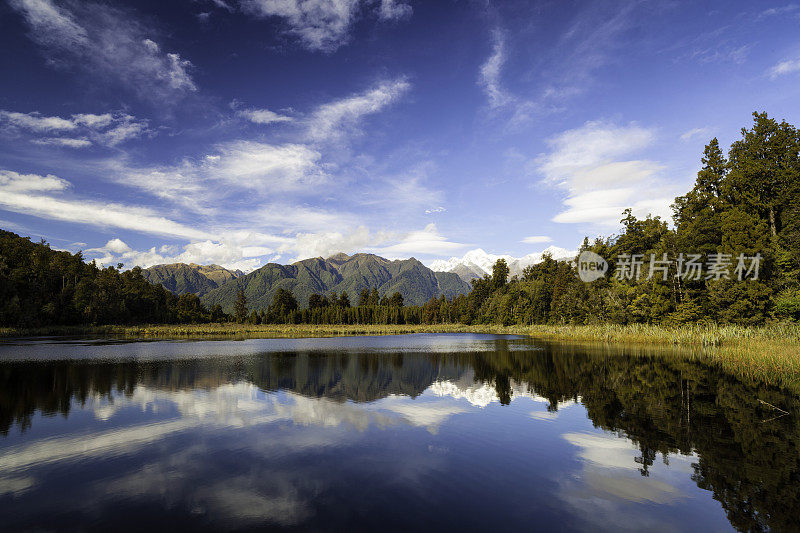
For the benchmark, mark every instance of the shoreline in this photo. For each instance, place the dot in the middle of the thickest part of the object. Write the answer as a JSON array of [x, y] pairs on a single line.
[[694, 335], [769, 354]]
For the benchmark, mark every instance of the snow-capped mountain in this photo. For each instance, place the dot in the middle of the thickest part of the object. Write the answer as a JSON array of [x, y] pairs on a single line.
[[481, 394], [476, 263]]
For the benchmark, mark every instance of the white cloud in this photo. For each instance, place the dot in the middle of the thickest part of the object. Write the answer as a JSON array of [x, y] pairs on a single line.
[[126, 128], [490, 72], [63, 141], [263, 116], [426, 241], [35, 122], [319, 24], [53, 26], [407, 190], [695, 132], [784, 67], [271, 168], [516, 109], [391, 245], [327, 243], [117, 246], [323, 25], [537, 239], [232, 167], [775, 11], [180, 183], [92, 120], [14, 182], [225, 253], [108, 129], [434, 210], [566, 70], [393, 10], [264, 168], [584, 162], [24, 193], [109, 42], [333, 120]]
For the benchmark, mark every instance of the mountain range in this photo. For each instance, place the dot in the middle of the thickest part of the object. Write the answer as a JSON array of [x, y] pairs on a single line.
[[182, 278], [476, 263], [216, 285]]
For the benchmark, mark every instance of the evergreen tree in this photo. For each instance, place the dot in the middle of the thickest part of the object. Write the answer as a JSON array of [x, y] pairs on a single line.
[[363, 298], [344, 300], [396, 300], [499, 274], [764, 169], [282, 306], [240, 308], [374, 298]]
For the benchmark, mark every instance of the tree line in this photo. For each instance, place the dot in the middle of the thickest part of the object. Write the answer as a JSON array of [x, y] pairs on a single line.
[[40, 286], [745, 203]]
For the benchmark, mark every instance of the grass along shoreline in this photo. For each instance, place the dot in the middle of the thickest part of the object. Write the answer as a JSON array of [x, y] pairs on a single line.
[[767, 354], [692, 335]]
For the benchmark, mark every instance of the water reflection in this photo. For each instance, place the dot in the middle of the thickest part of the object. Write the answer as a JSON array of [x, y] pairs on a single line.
[[473, 432]]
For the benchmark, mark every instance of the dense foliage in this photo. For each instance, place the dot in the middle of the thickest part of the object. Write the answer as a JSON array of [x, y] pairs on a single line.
[[40, 286], [747, 203]]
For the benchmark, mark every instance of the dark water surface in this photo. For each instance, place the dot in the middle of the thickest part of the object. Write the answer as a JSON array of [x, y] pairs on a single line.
[[415, 432]]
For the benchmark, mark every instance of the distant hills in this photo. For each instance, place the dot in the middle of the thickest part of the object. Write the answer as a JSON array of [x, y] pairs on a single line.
[[216, 285], [476, 263], [181, 278]]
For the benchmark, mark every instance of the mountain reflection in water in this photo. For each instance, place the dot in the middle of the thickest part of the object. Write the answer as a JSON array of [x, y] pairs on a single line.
[[437, 431]]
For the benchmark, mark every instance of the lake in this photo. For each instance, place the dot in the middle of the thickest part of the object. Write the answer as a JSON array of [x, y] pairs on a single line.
[[413, 432]]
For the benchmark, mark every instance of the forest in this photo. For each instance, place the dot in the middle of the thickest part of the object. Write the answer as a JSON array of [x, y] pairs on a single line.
[[743, 204], [40, 286]]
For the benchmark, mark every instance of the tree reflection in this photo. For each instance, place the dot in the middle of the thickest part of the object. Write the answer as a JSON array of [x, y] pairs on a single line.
[[665, 405]]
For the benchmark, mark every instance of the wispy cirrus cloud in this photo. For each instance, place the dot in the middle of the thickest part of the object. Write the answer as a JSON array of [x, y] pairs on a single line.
[[789, 66], [84, 129], [490, 72], [263, 116], [567, 67], [788, 9], [695, 132], [322, 25], [63, 141], [105, 40], [341, 118]]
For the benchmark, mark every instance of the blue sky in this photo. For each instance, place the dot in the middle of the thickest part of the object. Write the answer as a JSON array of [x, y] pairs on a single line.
[[245, 131]]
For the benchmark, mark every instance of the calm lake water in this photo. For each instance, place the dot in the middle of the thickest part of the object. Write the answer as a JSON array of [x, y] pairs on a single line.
[[415, 432]]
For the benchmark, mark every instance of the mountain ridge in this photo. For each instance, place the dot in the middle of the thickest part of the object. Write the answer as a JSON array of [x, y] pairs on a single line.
[[184, 278], [338, 273]]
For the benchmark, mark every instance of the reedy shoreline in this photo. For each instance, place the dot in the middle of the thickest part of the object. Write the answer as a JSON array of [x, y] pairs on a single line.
[[770, 354], [690, 335]]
